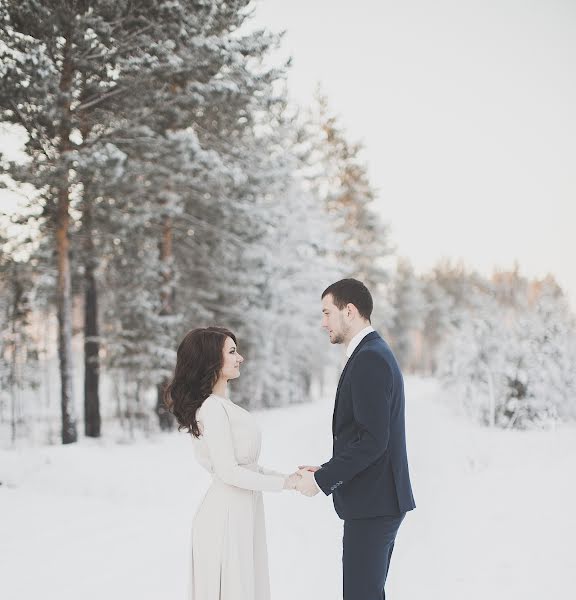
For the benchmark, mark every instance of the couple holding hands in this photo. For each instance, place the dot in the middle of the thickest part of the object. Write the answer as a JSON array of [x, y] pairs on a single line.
[[367, 474]]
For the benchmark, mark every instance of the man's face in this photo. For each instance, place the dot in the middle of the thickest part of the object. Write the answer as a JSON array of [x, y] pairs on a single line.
[[333, 320]]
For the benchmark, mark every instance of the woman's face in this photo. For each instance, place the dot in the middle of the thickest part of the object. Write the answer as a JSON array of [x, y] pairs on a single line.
[[232, 360]]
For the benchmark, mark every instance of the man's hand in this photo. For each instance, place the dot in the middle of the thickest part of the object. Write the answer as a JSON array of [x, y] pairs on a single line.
[[309, 468], [307, 484]]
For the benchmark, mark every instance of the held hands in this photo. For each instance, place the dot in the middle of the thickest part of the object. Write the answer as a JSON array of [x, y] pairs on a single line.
[[291, 480], [303, 481], [307, 485]]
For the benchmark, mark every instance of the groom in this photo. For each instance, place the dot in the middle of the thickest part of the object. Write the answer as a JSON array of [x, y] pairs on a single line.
[[368, 472]]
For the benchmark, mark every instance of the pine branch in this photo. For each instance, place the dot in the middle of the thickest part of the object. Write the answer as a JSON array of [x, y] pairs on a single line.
[[99, 99], [120, 48], [30, 130]]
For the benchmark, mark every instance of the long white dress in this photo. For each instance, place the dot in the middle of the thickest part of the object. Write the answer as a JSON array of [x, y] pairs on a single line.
[[229, 553]]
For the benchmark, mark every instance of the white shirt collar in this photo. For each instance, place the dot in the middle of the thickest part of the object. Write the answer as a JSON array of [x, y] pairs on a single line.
[[357, 339]]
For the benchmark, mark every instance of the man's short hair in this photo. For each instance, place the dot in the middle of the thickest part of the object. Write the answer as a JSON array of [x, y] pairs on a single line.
[[351, 291]]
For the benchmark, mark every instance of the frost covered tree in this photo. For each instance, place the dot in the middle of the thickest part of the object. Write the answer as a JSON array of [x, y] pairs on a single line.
[[260, 259], [409, 307], [438, 309], [514, 361], [50, 70], [139, 342], [56, 73], [340, 180], [100, 172], [473, 355], [452, 292], [210, 81], [87, 79], [548, 331], [281, 320], [18, 350]]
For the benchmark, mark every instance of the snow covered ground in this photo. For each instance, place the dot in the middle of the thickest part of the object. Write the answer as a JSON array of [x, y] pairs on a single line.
[[496, 515]]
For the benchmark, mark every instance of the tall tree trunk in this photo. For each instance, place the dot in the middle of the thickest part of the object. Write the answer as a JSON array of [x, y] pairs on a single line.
[[92, 420], [63, 293], [167, 291], [165, 418], [14, 365]]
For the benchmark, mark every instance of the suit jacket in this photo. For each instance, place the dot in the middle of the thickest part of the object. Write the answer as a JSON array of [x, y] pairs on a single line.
[[368, 472]]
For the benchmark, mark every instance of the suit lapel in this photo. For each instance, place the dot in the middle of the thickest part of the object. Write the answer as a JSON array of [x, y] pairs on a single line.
[[370, 336]]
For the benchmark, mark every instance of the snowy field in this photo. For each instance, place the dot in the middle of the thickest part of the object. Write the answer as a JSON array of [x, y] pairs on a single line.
[[495, 517]]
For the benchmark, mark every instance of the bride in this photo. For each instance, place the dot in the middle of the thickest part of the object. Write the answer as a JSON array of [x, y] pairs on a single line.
[[229, 554]]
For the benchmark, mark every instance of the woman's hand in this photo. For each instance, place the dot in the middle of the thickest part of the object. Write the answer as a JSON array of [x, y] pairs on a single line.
[[290, 481]]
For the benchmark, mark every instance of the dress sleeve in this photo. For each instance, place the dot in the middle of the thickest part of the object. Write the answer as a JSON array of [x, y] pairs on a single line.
[[218, 438], [266, 471]]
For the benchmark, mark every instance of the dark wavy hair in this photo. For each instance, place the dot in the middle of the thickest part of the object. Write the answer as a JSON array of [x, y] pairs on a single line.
[[199, 360]]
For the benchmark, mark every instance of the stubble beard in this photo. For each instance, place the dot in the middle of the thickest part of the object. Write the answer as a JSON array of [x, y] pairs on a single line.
[[340, 337]]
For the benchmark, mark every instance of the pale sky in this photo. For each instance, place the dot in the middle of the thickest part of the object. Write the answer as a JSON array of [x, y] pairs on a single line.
[[467, 109]]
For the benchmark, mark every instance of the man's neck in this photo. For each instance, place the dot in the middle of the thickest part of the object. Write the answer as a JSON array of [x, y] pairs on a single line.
[[355, 331]]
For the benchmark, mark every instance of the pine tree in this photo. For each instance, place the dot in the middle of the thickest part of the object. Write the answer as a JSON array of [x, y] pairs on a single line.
[[49, 72], [18, 351], [100, 172], [512, 356], [464, 287], [283, 315], [247, 213], [409, 307], [438, 309], [339, 177], [86, 79]]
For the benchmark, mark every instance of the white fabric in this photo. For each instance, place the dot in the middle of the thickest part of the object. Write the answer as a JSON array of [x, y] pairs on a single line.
[[357, 339], [229, 552]]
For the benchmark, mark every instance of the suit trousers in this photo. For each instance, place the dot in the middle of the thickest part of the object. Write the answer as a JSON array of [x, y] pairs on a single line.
[[366, 552]]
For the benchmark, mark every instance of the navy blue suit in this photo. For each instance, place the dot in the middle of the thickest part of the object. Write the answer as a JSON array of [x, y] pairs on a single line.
[[368, 473]]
